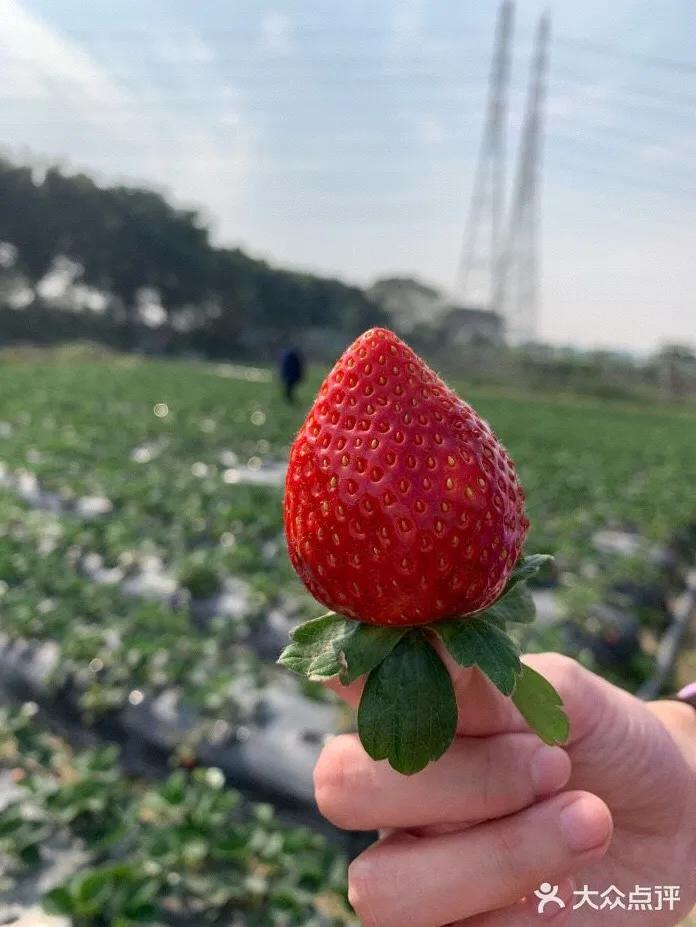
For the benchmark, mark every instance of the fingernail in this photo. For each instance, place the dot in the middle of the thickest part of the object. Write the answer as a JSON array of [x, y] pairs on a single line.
[[585, 823], [550, 770]]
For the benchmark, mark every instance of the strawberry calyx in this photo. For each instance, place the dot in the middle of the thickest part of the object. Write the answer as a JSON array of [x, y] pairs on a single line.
[[408, 711]]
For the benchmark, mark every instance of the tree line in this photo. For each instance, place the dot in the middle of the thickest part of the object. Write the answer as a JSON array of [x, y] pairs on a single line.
[[151, 273]]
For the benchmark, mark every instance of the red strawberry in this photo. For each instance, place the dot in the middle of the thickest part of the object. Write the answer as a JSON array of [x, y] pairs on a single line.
[[401, 506]]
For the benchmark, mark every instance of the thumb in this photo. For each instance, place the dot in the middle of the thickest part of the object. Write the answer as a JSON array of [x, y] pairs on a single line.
[[619, 749]]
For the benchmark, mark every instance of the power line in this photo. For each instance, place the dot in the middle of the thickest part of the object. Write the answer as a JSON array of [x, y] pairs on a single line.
[[655, 103], [282, 96], [635, 181], [257, 34], [262, 59], [285, 97], [658, 61], [451, 34], [671, 163], [661, 95]]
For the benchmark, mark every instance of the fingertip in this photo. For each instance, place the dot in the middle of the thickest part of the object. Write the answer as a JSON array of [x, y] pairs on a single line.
[[550, 770], [337, 779], [586, 823]]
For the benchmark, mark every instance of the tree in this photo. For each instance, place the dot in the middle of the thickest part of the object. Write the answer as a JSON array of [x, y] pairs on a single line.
[[126, 241]]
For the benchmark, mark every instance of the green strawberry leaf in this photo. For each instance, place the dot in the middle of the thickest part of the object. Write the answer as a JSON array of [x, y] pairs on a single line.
[[408, 712], [311, 652], [363, 648], [525, 568], [333, 646], [475, 641], [541, 707], [515, 606]]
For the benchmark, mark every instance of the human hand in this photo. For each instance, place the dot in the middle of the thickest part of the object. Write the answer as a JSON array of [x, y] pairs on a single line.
[[468, 840]]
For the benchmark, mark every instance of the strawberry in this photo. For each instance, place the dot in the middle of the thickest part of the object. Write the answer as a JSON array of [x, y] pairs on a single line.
[[402, 509], [401, 505]]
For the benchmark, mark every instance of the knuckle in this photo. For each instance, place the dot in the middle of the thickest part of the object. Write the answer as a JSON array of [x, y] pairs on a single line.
[[569, 667], [505, 787], [516, 857], [565, 673], [562, 666], [364, 891], [488, 797], [582, 692], [335, 787], [506, 856]]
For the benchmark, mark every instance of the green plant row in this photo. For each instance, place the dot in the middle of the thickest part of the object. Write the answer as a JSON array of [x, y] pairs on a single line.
[[109, 644], [187, 850], [78, 425]]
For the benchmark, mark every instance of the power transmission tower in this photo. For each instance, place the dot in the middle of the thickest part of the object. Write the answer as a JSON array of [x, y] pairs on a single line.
[[478, 272], [519, 268]]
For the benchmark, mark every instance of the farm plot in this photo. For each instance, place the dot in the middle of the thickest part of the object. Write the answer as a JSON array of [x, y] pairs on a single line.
[[141, 543], [170, 470], [111, 849], [159, 481]]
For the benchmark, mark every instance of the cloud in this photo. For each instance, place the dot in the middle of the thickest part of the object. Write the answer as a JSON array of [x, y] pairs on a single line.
[[605, 290], [408, 34], [277, 33], [407, 26], [591, 102], [679, 152], [44, 65], [431, 131], [68, 106], [183, 49]]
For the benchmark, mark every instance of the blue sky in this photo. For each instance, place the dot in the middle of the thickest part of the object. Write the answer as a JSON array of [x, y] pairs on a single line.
[[342, 136]]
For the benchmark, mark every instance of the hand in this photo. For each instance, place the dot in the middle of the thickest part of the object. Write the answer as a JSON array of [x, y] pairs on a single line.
[[468, 840]]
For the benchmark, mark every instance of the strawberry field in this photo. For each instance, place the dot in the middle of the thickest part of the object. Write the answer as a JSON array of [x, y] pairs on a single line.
[[145, 592]]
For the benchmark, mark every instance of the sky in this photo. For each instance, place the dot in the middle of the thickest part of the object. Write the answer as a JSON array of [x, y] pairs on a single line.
[[342, 136]]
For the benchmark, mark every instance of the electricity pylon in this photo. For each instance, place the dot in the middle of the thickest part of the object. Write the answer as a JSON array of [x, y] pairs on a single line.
[[519, 267], [479, 267]]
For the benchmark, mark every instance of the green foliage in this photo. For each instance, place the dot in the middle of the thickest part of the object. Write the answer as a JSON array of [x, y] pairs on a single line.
[[333, 646], [408, 712], [114, 893], [127, 239], [515, 606], [188, 846], [201, 576], [526, 569], [541, 707], [476, 642], [312, 652]]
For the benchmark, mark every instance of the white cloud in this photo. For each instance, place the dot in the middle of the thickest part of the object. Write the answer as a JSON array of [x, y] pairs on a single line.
[[183, 49], [431, 131], [44, 65], [75, 107], [408, 34], [604, 290], [590, 102], [277, 33], [407, 26], [678, 153]]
